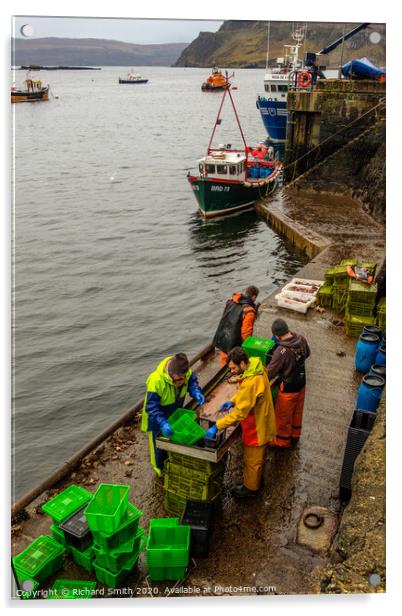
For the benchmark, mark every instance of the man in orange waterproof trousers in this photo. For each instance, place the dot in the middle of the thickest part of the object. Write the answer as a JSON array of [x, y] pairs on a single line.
[[287, 367]]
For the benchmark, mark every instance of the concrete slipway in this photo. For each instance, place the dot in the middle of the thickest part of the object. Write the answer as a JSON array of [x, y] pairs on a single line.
[[256, 545]]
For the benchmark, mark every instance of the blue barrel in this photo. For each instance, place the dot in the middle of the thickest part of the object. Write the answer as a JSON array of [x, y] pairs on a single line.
[[372, 329], [380, 355], [378, 370], [366, 351], [369, 392]]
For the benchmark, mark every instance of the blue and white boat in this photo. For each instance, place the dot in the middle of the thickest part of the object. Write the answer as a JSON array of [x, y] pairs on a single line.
[[278, 79]]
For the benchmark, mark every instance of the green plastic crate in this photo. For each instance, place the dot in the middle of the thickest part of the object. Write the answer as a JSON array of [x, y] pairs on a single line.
[[116, 559], [351, 262], [358, 308], [381, 321], [381, 306], [354, 324], [114, 580], [58, 534], [66, 503], [258, 347], [371, 266], [329, 277], [193, 489], [186, 431], [324, 296], [72, 589], [363, 292], [168, 545], [173, 503], [41, 559], [192, 463], [107, 508], [198, 475], [128, 528], [84, 559], [180, 413], [157, 574]]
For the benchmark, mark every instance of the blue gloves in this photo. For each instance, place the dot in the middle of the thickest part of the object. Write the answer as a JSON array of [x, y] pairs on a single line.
[[199, 397], [226, 406], [166, 429], [212, 432]]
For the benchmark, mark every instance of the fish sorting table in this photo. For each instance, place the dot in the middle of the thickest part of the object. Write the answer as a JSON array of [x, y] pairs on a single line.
[[218, 394]]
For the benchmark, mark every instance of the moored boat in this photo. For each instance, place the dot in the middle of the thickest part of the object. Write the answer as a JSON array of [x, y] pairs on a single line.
[[34, 91], [133, 78], [216, 82], [231, 180]]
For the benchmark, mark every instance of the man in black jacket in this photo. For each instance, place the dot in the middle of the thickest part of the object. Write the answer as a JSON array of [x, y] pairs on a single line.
[[288, 370]]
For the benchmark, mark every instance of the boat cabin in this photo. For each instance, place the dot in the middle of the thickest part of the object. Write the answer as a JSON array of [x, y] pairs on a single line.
[[223, 165]]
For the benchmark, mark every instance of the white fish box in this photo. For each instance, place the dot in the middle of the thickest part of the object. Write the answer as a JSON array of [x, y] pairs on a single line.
[[294, 304], [299, 294]]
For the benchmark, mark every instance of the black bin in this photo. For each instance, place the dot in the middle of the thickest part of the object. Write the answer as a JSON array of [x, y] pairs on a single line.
[[363, 419], [76, 530], [199, 515], [354, 444]]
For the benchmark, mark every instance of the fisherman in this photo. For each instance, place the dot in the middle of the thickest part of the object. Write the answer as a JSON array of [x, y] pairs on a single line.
[[251, 405], [237, 321], [287, 369], [167, 387]]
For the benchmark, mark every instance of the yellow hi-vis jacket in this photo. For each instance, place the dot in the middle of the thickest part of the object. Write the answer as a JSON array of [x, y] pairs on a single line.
[[253, 407]]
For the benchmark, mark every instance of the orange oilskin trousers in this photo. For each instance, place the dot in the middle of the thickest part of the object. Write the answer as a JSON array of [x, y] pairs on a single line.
[[253, 462], [288, 416]]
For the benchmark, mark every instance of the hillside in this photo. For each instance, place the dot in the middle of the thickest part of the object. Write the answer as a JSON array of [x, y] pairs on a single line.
[[244, 44], [92, 52]]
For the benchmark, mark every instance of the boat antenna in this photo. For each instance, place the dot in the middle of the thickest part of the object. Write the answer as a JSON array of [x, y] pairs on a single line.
[[268, 40], [217, 121]]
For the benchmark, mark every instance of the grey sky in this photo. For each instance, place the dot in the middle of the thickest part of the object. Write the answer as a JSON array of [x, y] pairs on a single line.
[[142, 31]]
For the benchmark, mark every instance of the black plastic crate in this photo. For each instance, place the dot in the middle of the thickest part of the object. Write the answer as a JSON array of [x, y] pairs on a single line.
[[199, 516], [76, 530], [354, 444], [209, 442], [363, 419]]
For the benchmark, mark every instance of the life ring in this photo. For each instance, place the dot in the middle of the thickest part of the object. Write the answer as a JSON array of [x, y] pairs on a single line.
[[304, 79]]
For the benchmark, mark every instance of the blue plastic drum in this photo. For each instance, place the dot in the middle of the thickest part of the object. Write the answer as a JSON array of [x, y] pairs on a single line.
[[369, 392], [380, 355], [366, 351], [378, 370], [372, 329]]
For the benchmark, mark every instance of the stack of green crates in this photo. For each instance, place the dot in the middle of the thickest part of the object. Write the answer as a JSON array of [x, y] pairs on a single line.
[[324, 296], [381, 314], [118, 541], [40, 560], [62, 506], [360, 307], [258, 347], [187, 478], [168, 549]]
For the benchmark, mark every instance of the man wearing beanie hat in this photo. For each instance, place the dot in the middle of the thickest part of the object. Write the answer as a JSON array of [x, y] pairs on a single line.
[[288, 370], [167, 387]]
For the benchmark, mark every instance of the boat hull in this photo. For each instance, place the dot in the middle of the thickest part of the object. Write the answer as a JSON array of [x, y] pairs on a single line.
[[274, 115], [216, 198], [132, 81], [20, 96]]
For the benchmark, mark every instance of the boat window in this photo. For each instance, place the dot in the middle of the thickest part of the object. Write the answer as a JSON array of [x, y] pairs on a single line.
[[282, 88], [221, 169], [233, 169], [273, 88], [266, 87], [210, 168], [201, 168]]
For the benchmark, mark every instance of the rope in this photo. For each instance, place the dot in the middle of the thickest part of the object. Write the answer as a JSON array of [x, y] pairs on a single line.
[[317, 147]]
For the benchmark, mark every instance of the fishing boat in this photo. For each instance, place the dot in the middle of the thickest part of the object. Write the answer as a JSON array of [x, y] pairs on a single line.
[[133, 78], [33, 91], [231, 180], [216, 82], [277, 81]]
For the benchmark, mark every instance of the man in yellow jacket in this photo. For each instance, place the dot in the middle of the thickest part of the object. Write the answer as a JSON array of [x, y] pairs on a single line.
[[252, 406]]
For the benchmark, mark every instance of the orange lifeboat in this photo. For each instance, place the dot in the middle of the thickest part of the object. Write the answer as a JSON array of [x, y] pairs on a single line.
[[215, 82]]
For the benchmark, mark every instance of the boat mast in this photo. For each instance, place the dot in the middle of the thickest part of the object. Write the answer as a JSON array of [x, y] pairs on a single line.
[[268, 40], [217, 121]]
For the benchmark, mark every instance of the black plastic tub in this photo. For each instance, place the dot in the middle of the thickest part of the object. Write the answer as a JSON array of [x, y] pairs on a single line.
[[76, 530], [199, 516], [354, 444]]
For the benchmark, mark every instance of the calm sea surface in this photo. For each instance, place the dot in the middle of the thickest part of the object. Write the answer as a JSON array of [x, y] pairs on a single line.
[[113, 267]]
